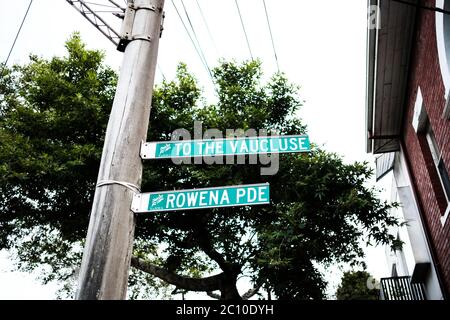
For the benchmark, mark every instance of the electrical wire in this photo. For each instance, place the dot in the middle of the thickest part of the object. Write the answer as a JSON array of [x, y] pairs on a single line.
[[117, 5], [207, 28], [196, 38], [17, 35], [243, 28], [160, 70], [192, 40], [271, 36]]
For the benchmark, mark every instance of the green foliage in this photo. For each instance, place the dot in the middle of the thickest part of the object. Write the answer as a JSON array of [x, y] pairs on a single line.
[[354, 286], [53, 116], [53, 119]]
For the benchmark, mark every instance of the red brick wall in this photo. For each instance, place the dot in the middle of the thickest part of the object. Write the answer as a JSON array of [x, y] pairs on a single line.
[[425, 72]]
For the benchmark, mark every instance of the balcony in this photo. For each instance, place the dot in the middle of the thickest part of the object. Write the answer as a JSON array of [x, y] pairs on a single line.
[[401, 288]]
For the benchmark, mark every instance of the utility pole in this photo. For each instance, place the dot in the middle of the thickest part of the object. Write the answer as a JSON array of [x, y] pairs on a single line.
[[109, 242]]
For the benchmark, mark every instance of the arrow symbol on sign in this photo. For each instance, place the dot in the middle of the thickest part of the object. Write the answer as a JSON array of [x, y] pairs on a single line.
[[157, 200], [164, 149]]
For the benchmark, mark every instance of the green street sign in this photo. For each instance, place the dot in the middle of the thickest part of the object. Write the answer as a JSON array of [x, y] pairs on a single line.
[[224, 147], [244, 195]]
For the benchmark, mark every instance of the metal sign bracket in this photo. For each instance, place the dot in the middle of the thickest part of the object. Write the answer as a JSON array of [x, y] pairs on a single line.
[[126, 33]]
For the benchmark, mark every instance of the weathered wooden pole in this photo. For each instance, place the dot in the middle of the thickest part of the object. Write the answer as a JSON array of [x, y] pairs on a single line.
[[109, 243]]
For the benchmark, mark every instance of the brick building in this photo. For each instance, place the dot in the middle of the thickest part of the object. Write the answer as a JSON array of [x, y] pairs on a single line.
[[408, 128]]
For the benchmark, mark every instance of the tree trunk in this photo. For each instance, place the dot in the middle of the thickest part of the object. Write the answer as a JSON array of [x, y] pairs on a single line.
[[228, 289]]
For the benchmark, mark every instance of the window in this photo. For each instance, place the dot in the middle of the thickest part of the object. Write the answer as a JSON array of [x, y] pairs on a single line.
[[422, 126], [438, 161], [443, 44]]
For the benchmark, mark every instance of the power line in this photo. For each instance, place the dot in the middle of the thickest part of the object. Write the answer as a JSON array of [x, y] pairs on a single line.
[[17, 35], [207, 28], [196, 38], [271, 36], [118, 5], [160, 70], [187, 31], [193, 42], [243, 28]]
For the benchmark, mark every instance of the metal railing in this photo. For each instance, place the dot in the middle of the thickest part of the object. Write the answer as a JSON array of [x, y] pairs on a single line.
[[401, 288]]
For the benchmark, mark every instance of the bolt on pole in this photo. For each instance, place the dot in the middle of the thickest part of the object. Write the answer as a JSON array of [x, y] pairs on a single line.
[[109, 243]]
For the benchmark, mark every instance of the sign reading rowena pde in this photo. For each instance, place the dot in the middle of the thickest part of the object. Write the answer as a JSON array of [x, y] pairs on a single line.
[[231, 196], [224, 147]]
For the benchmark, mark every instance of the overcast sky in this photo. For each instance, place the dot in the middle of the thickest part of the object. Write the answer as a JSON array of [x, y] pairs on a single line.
[[321, 46]]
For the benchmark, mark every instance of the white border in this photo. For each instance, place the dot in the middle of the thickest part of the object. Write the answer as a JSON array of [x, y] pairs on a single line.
[[136, 204], [148, 149], [212, 188]]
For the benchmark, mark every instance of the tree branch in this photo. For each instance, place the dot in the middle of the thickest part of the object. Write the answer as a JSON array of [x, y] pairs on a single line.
[[213, 295], [216, 256], [192, 284], [204, 243]]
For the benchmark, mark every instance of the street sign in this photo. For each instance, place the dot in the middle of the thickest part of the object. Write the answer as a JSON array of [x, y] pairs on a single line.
[[231, 196], [224, 147]]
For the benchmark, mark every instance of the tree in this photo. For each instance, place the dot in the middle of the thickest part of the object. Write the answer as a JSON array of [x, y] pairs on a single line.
[[53, 118], [354, 286]]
